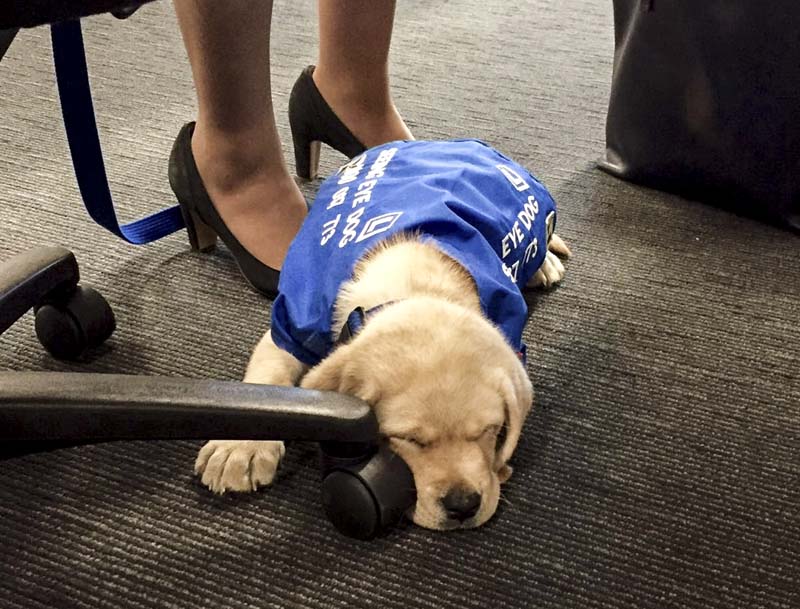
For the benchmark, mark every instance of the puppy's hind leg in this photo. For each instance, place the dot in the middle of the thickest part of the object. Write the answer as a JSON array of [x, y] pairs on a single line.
[[559, 247], [552, 270], [243, 465]]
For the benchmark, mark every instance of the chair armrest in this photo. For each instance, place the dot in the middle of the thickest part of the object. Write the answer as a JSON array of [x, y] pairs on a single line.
[[99, 407], [27, 278]]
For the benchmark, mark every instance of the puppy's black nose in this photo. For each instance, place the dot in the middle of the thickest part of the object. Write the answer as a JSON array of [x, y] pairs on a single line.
[[461, 504]]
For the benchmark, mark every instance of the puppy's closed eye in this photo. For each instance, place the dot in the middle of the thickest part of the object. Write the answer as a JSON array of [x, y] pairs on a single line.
[[486, 432], [412, 441]]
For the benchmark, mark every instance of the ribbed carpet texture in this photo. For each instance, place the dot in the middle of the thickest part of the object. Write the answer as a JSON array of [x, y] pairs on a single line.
[[659, 468]]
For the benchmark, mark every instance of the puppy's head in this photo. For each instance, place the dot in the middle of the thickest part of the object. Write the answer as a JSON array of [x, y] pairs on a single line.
[[450, 396]]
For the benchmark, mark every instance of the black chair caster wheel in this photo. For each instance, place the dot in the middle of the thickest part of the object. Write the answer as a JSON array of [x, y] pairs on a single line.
[[363, 496], [69, 324]]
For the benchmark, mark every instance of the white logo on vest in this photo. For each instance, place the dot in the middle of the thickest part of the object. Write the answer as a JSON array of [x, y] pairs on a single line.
[[378, 224]]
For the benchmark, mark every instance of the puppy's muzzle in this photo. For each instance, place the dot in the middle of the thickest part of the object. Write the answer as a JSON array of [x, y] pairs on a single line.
[[461, 504]]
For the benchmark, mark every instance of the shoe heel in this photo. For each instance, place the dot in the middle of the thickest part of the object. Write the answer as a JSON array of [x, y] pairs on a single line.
[[306, 158], [202, 237], [312, 122], [203, 223]]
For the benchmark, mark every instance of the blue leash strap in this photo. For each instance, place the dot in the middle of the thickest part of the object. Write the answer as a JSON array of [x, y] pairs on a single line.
[[84, 143]]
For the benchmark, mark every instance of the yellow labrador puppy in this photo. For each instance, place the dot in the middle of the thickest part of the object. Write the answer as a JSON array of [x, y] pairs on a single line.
[[438, 352]]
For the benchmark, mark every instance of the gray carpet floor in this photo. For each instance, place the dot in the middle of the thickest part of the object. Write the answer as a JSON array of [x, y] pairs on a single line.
[[659, 468]]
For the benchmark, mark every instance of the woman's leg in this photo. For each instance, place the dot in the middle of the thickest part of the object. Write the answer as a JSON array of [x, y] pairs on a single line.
[[353, 69], [235, 143]]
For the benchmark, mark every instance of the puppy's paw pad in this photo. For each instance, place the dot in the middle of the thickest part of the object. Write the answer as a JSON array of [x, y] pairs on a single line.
[[550, 273], [236, 465]]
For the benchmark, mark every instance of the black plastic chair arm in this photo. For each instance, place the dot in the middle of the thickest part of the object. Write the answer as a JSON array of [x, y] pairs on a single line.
[[100, 407], [26, 279]]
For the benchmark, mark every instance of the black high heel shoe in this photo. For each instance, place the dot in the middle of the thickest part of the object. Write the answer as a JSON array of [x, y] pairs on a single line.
[[203, 223], [312, 122]]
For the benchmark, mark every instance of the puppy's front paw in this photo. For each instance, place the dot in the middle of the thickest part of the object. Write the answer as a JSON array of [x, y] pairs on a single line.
[[549, 274], [237, 465]]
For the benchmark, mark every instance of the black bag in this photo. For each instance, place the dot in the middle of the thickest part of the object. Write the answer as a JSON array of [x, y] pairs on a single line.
[[705, 102]]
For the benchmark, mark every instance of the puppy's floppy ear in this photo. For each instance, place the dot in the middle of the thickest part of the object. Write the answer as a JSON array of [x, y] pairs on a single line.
[[517, 393], [343, 371]]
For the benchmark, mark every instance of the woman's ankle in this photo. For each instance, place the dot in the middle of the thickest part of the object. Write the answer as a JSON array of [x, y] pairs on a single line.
[[252, 191], [363, 104], [229, 160]]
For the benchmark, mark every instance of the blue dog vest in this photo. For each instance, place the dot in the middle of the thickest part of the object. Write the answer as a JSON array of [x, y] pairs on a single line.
[[479, 207]]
